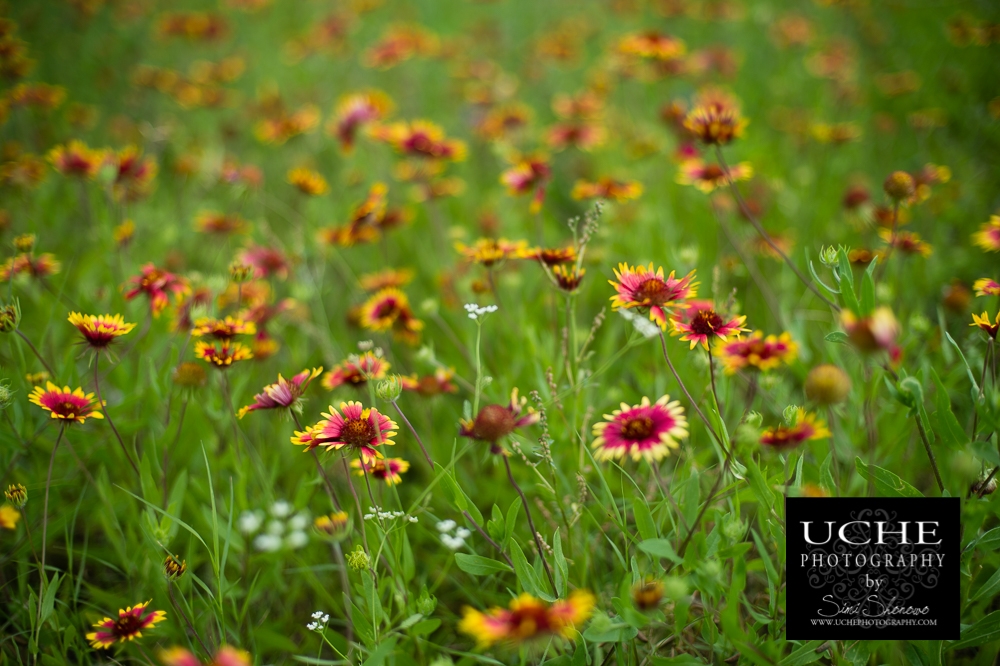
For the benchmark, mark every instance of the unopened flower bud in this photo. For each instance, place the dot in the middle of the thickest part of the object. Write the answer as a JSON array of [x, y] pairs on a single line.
[[647, 594], [173, 567], [190, 375], [240, 272], [24, 242], [899, 185], [389, 388], [827, 385], [335, 526], [791, 415], [16, 494], [754, 419], [358, 559], [6, 394], [10, 317], [828, 256]]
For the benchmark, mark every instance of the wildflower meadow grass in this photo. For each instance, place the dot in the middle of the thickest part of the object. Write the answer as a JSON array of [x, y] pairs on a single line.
[[441, 332]]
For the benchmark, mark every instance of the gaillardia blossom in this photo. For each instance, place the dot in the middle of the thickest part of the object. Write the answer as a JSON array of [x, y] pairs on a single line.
[[494, 422], [875, 332], [62, 403], [643, 432], [527, 617], [705, 177], [128, 626], [697, 321], [222, 354], [806, 427], [715, 124], [389, 470], [983, 322], [100, 330], [354, 427], [157, 285], [986, 287], [223, 329], [607, 188], [755, 351], [224, 656], [356, 370], [988, 236], [640, 287], [284, 394], [308, 182]]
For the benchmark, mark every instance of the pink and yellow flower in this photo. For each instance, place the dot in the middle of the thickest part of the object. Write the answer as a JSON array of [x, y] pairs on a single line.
[[607, 188], [986, 287], [421, 138], [647, 431], [907, 242], [224, 656], [983, 322], [807, 427], [284, 394], [157, 285], [526, 618], [214, 222], [100, 330], [491, 251], [128, 626], [222, 353], [877, 331], [76, 159], [389, 310], [697, 322], [354, 111], [755, 351], [222, 329], [430, 385], [356, 371], [354, 428], [389, 470], [988, 236], [706, 177], [652, 45], [640, 287], [66, 404]]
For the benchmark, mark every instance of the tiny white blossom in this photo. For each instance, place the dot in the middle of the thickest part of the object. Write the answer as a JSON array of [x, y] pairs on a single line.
[[446, 525], [312, 626], [249, 522], [452, 543], [317, 615], [267, 543], [463, 533], [297, 539], [281, 509], [275, 527], [475, 311], [298, 522]]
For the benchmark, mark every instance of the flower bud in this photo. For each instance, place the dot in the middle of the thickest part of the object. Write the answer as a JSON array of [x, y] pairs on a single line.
[[358, 559], [828, 256], [648, 594], [675, 587], [24, 242], [16, 494], [389, 388], [980, 487], [173, 567], [240, 272], [335, 526], [10, 317], [190, 375], [6, 394], [827, 385], [791, 415], [899, 185]]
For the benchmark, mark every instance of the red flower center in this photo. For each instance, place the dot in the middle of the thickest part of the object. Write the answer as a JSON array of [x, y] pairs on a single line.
[[128, 625], [493, 422], [357, 432], [712, 172], [652, 291], [637, 427], [706, 322]]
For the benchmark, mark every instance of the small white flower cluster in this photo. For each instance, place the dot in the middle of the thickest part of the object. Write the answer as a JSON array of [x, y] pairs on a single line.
[[320, 623], [377, 512], [284, 530], [645, 327], [475, 312], [456, 541]]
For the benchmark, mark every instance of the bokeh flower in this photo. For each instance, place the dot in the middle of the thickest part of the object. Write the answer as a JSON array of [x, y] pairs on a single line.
[[647, 431], [389, 470], [222, 353], [707, 176], [157, 285], [986, 287], [283, 394], [755, 351], [224, 656], [988, 236], [607, 188], [526, 618], [355, 371], [806, 427], [875, 332], [308, 182]]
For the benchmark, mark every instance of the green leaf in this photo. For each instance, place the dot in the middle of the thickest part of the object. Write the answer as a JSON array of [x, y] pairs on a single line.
[[560, 565], [885, 481], [805, 654], [511, 521], [477, 565], [525, 573], [837, 336], [986, 451], [643, 519], [49, 600], [379, 654], [943, 420], [815, 276], [660, 548], [989, 589], [758, 484], [867, 292], [985, 630], [968, 368]]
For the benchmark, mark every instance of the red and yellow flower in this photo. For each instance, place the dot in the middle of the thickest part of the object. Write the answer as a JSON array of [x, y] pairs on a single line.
[[988, 236], [389, 310], [66, 404], [526, 618], [875, 332], [222, 353], [983, 322], [283, 394], [421, 138], [214, 222], [491, 251], [715, 123], [706, 177], [986, 287], [354, 111], [76, 159], [356, 371], [308, 182], [806, 427], [647, 431], [697, 322], [494, 422], [607, 188], [354, 428], [652, 45], [755, 351], [224, 656], [222, 329], [907, 242], [157, 285], [640, 287], [128, 626], [100, 330], [389, 470], [528, 176]]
